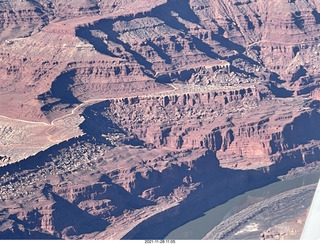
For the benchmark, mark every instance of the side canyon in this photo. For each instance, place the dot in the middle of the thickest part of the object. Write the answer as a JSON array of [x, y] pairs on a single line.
[[117, 117]]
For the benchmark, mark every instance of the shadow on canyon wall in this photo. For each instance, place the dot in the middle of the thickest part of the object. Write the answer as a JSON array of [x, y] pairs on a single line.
[[60, 92], [216, 185], [171, 14]]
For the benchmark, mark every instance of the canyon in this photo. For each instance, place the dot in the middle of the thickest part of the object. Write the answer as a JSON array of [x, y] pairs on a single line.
[[117, 117]]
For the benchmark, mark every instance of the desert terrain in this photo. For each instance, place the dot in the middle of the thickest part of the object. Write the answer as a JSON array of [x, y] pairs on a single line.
[[117, 117]]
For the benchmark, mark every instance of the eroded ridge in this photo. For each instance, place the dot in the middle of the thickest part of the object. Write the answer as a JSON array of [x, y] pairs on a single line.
[[126, 114]]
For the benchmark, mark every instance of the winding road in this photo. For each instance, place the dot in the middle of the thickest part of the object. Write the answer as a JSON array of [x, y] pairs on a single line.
[[83, 104]]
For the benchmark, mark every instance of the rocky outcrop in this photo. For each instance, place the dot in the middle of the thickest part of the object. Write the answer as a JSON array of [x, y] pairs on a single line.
[[107, 196], [135, 50], [163, 102], [4, 159], [162, 115], [19, 19]]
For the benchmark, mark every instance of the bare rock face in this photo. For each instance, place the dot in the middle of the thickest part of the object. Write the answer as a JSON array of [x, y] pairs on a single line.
[[22, 18], [123, 114], [289, 230]]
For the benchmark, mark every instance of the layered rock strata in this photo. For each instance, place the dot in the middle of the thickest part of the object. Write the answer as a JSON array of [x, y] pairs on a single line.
[[123, 114]]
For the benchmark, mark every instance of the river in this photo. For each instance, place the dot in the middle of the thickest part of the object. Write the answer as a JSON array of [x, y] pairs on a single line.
[[198, 228]]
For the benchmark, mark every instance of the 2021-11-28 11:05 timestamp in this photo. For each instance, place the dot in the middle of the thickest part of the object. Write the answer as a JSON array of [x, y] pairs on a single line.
[[159, 241]]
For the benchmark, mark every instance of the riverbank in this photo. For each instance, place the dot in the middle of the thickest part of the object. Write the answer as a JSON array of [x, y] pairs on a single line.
[[251, 222], [300, 171]]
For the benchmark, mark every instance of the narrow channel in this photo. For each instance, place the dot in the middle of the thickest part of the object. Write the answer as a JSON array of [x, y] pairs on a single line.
[[198, 228]]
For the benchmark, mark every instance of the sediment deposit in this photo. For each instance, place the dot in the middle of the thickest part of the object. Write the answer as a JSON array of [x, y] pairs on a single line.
[[126, 113], [286, 213]]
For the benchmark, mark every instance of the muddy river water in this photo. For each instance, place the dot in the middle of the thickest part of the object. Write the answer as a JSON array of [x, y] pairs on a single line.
[[198, 228]]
